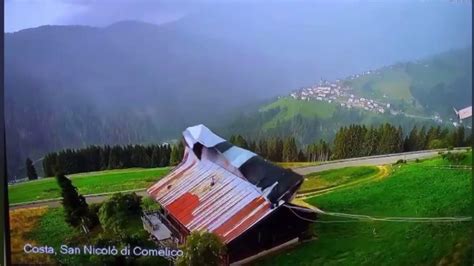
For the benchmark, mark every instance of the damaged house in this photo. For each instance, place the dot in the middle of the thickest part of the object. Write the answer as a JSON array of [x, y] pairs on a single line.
[[229, 191]]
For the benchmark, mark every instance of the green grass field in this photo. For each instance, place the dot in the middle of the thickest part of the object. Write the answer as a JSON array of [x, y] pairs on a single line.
[[412, 190], [332, 178], [53, 231], [291, 107], [296, 164], [87, 183], [438, 161]]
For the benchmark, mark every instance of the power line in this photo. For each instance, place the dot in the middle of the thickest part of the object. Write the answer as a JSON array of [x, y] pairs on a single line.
[[367, 218]]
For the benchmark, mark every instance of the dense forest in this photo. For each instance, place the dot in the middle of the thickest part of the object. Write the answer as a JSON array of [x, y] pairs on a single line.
[[96, 158], [356, 141], [349, 142]]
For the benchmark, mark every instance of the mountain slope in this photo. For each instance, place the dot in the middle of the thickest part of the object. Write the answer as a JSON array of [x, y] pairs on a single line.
[[435, 84], [416, 90], [70, 86], [133, 82]]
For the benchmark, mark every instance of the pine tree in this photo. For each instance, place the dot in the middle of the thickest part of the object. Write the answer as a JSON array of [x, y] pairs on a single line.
[[30, 170], [165, 151], [421, 139], [279, 149], [241, 142], [115, 158], [156, 156], [371, 142], [290, 151], [75, 206], [177, 152], [262, 148], [340, 144], [411, 143]]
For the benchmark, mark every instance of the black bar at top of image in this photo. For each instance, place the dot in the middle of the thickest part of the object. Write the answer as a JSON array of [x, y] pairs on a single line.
[[4, 217]]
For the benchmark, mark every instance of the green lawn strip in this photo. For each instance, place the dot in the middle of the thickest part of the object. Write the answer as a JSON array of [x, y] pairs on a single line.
[[291, 165], [438, 161], [99, 182], [411, 191], [332, 178], [53, 231]]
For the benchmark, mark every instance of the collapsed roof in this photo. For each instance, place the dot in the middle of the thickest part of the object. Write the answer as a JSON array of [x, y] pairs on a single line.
[[222, 188]]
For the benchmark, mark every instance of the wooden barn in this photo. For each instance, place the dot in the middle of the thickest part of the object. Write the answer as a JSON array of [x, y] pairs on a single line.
[[229, 191]]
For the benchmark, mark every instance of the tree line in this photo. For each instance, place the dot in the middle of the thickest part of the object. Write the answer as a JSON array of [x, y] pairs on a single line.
[[349, 142], [96, 158], [356, 141]]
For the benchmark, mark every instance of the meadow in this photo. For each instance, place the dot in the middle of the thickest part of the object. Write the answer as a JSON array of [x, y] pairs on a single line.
[[22, 223], [87, 183], [415, 189], [137, 178], [289, 108], [332, 178]]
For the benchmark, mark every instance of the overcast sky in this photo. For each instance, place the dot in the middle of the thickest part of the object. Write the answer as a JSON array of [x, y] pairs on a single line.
[[22, 14]]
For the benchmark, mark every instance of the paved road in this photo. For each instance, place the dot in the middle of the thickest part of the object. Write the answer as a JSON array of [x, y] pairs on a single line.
[[367, 161], [372, 160]]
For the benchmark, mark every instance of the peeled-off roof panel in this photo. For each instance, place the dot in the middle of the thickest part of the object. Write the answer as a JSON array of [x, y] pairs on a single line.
[[465, 113], [203, 135], [238, 156]]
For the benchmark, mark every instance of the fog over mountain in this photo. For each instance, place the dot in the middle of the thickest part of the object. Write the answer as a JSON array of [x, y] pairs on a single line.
[[136, 82]]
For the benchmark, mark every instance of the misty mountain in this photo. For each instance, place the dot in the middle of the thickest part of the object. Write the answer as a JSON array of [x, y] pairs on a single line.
[[433, 85], [134, 82], [420, 89]]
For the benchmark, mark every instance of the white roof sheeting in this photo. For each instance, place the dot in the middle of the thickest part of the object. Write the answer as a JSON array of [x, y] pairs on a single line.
[[465, 113], [238, 156], [203, 135]]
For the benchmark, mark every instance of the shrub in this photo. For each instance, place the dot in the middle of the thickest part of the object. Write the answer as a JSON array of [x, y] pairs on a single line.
[[93, 215], [436, 144], [148, 204], [115, 213], [202, 248], [454, 158], [400, 161]]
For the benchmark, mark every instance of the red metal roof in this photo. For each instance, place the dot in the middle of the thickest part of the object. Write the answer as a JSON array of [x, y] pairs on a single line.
[[203, 195]]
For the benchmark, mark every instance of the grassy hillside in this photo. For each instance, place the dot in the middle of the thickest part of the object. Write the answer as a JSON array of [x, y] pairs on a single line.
[[434, 84], [419, 89], [392, 83], [87, 183], [412, 190], [290, 108]]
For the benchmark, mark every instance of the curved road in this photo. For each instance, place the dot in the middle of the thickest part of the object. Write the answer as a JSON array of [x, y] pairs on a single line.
[[361, 161]]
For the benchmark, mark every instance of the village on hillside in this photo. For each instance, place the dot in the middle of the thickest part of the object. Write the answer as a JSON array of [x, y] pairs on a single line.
[[338, 93], [343, 95]]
